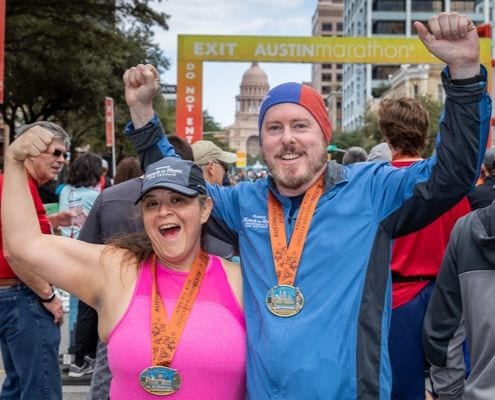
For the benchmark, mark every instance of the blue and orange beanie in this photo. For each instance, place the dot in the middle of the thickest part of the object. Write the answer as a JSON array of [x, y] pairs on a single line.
[[305, 96]]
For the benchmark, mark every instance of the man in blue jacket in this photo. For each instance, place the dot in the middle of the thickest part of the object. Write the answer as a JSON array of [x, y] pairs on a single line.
[[315, 236]]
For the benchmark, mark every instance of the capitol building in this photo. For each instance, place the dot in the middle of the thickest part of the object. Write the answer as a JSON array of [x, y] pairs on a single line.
[[243, 134]]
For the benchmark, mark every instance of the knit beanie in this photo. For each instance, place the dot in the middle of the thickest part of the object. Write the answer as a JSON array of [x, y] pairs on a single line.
[[305, 96]]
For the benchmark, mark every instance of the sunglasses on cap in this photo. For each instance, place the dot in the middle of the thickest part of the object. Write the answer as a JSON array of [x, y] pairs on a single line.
[[57, 153]]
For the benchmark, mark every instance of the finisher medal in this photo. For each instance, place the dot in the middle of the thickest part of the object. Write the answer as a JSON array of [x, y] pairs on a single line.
[[160, 381], [284, 300]]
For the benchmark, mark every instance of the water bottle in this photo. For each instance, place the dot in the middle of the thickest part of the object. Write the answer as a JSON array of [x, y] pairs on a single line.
[[76, 207]]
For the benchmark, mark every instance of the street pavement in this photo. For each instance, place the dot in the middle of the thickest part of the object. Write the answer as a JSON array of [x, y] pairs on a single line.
[[70, 392]]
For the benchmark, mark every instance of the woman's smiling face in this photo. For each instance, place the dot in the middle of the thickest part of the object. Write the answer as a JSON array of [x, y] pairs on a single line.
[[173, 223]]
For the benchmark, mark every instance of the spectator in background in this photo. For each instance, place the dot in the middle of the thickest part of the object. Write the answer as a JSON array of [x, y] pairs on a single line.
[[416, 257], [105, 180], [82, 183], [461, 311], [380, 152], [484, 194], [127, 168], [82, 187], [354, 154], [212, 160], [30, 311]]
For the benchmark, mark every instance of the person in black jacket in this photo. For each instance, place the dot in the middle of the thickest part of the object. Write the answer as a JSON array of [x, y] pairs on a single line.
[[461, 310], [484, 194]]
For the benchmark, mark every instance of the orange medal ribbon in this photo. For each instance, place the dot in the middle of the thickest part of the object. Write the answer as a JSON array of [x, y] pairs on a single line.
[[286, 259], [166, 334], [160, 379]]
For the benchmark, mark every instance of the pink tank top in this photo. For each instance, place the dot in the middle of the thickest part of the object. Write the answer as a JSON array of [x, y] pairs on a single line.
[[211, 354]]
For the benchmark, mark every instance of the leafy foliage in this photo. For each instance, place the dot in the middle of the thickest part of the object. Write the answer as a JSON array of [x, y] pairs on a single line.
[[63, 57], [209, 123]]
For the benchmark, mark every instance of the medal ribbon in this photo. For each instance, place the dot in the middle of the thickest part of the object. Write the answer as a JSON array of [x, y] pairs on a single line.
[[286, 259], [165, 335]]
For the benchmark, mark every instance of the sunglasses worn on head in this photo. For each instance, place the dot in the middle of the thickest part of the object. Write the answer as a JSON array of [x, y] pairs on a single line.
[[57, 153]]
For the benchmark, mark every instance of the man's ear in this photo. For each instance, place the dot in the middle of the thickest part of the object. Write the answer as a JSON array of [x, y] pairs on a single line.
[[209, 168]]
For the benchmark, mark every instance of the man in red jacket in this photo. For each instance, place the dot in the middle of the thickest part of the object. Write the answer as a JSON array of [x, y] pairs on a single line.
[[416, 258]]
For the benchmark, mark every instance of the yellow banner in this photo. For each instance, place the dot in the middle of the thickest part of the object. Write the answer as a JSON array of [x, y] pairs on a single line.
[[193, 50], [375, 50]]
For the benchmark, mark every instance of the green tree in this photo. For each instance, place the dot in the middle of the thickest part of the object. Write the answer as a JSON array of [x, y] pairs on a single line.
[[63, 57], [434, 109], [344, 140], [209, 123]]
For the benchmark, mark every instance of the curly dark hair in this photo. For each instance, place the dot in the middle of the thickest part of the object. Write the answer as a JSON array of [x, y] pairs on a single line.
[[85, 170]]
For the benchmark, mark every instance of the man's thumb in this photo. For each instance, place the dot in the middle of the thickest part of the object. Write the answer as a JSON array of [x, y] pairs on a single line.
[[423, 33]]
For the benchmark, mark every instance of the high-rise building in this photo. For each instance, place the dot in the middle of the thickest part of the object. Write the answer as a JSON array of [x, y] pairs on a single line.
[[362, 83], [327, 78]]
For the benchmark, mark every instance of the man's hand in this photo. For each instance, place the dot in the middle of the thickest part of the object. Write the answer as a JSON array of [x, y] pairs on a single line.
[[55, 308], [141, 86], [30, 144], [452, 38], [62, 218]]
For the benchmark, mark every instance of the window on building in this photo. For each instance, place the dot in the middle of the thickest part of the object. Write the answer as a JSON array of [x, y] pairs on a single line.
[[379, 90], [338, 66], [389, 27], [389, 5], [383, 71], [462, 6], [326, 77], [338, 77], [325, 89], [326, 26], [415, 90], [427, 5], [413, 28], [326, 66], [340, 27]]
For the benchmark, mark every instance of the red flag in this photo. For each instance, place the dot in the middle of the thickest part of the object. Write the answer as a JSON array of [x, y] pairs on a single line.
[[2, 46]]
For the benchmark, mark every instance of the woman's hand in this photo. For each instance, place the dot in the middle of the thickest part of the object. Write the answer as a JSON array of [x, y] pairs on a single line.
[[30, 144]]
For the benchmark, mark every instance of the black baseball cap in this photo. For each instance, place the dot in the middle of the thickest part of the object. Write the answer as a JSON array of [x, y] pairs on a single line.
[[181, 176]]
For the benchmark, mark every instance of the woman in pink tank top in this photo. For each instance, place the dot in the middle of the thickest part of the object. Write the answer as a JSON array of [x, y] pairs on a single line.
[[170, 313]]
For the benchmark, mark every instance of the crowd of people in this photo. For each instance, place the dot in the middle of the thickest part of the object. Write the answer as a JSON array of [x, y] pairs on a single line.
[[313, 280]]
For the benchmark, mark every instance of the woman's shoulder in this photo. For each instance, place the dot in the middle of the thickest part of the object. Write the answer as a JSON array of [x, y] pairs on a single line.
[[234, 276], [229, 266]]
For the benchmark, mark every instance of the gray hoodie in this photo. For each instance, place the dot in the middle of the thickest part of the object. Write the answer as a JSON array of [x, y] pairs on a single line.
[[462, 308]]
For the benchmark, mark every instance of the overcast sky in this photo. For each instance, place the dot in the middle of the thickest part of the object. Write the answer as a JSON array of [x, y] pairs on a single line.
[[234, 17]]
